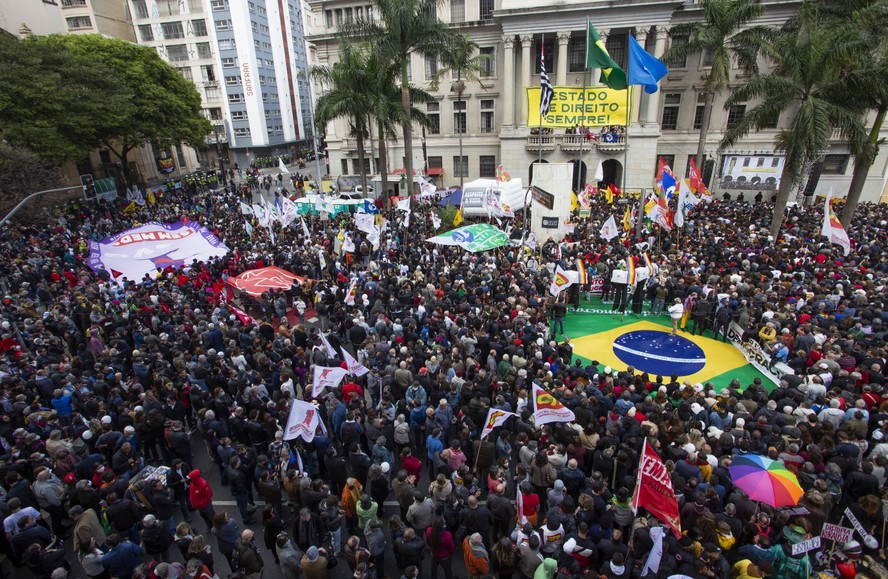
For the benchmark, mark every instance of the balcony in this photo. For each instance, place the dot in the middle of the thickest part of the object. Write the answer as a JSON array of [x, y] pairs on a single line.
[[571, 143], [541, 143], [611, 142]]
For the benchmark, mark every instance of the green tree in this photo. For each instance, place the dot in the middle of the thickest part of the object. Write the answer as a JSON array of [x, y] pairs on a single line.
[[805, 82], [405, 27], [347, 84], [23, 172], [725, 34]]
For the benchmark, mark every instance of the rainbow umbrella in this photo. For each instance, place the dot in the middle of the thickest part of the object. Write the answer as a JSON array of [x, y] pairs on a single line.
[[765, 480]]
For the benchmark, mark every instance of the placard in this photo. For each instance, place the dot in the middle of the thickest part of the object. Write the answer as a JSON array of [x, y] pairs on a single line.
[[542, 197], [620, 276], [550, 223], [641, 274], [806, 546], [836, 533], [574, 105]]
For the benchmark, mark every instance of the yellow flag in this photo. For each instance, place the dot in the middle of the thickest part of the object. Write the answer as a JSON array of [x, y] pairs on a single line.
[[649, 206], [610, 195], [341, 236], [151, 198], [130, 208], [457, 219], [627, 219], [574, 203]]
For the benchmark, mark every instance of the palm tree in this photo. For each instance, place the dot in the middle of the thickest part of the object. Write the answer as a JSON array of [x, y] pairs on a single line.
[[462, 59], [858, 26], [347, 96], [725, 34], [806, 81], [407, 27]]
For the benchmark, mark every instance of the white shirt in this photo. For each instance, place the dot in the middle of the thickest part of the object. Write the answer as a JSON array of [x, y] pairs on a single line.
[[10, 523]]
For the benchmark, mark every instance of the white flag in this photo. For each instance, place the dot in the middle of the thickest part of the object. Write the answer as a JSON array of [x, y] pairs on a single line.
[[404, 204], [302, 422], [348, 245], [305, 230], [354, 366], [407, 220], [495, 418], [373, 237], [656, 555], [245, 209], [436, 221], [352, 291], [331, 353], [531, 241], [283, 167], [365, 222], [562, 280], [832, 227], [322, 261], [546, 409], [326, 378], [599, 173], [609, 229]]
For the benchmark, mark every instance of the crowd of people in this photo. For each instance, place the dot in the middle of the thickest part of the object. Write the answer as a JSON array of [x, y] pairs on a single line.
[[99, 380]]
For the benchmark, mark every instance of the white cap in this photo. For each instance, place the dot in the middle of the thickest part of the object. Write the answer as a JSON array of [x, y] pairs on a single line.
[[385, 467], [106, 420]]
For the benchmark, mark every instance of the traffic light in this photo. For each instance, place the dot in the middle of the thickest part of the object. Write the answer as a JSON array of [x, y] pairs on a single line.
[[89, 188]]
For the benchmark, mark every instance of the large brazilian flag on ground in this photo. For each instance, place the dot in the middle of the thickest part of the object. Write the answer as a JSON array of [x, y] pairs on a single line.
[[646, 343]]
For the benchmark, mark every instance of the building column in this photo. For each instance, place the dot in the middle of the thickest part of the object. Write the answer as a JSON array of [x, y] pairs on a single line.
[[595, 73], [508, 81], [652, 109], [526, 43], [561, 68], [641, 35]]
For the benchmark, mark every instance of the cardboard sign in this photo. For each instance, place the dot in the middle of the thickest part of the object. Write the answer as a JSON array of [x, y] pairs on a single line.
[[806, 546], [836, 533], [620, 276], [642, 274]]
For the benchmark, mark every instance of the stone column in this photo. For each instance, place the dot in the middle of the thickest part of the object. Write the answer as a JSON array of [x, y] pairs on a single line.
[[561, 70], [508, 81], [526, 43], [641, 35], [595, 73], [652, 108]]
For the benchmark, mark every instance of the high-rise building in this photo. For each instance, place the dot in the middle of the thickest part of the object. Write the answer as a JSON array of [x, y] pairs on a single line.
[[496, 122]]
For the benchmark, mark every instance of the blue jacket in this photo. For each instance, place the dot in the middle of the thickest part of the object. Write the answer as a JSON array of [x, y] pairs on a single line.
[[433, 446], [123, 559]]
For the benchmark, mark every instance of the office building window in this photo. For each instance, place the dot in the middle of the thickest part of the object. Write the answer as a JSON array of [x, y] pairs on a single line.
[[459, 116], [698, 112], [242, 132], [487, 168], [436, 162], [486, 9], [487, 56], [616, 46], [238, 115], [203, 50], [232, 80], [487, 123], [706, 58], [141, 8], [208, 72], [344, 166], [671, 105], [228, 63], [67, 3], [328, 18], [431, 67], [678, 62], [79, 22], [185, 72], [177, 52], [199, 27], [457, 11], [219, 4], [227, 44], [146, 33], [223, 25], [735, 113], [359, 13], [172, 30], [835, 164], [433, 113], [576, 54], [339, 17], [215, 114], [251, 7], [550, 57], [460, 166]]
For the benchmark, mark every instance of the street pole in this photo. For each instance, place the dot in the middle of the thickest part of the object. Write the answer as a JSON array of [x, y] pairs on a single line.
[[24, 201], [219, 154]]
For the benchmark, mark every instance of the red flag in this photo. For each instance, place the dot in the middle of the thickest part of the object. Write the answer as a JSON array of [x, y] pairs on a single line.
[[695, 180], [245, 318], [654, 492]]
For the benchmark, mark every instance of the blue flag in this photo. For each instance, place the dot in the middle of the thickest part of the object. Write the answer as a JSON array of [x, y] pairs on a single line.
[[643, 68], [370, 207]]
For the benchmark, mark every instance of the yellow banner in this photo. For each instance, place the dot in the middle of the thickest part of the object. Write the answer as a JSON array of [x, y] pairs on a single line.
[[597, 107]]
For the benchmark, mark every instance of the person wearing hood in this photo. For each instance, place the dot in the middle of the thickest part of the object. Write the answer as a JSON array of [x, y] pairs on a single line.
[[547, 569], [200, 494]]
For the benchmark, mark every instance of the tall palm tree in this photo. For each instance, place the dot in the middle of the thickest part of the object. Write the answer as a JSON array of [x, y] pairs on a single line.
[[405, 27], [859, 28], [461, 59], [725, 34], [347, 95], [805, 81]]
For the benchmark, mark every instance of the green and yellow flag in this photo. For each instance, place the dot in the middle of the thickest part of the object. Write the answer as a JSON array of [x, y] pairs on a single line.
[[597, 57]]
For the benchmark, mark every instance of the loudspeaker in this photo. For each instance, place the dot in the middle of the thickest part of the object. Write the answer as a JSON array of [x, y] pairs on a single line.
[[708, 169], [813, 178]]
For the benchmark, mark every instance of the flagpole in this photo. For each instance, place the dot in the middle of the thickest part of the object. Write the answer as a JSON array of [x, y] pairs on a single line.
[[540, 136], [583, 125], [628, 118]]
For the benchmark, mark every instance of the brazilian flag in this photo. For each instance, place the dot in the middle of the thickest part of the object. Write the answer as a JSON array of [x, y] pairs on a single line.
[[597, 56]]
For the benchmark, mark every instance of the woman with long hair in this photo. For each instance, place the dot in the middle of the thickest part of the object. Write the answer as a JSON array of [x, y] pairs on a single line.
[[272, 525], [505, 560], [440, 542]]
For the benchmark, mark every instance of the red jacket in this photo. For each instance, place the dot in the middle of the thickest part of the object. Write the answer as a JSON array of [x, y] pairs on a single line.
[[199, 492]]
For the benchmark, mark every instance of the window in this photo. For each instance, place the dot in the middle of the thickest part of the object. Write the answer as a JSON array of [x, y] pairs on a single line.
[[242, 132], [209, 73], [251, 6], [199, 27], [576, 54], [219, 4], [488, 166], [238, 115], [146, 33], [487, 56], [232, 80], [835, 164], [698, 112], [486, 9], [747, 161], [457, 11], [344, 163], [670, 160], [203, 50], [616, 46], [235, 98], [254, 25], [436, 162], [706, 59], [678, 62], [359, 13], [349, 15], [141, 8], [431, 67], [78, 22], [671, 105], [487, 116], [177, 52], [261, 79], [172, 30], [227, 44], [328, 17], [550, 57], [67, 3], [460, 166], [228, 63], [215, 114], [735, 113], [459, 116], [432, 111], [772, 122], [339, 17], [223, 25], [185, 72]]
